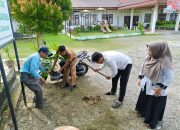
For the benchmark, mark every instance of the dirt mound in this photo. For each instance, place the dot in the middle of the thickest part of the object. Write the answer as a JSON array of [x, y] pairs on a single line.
[[91, 99]]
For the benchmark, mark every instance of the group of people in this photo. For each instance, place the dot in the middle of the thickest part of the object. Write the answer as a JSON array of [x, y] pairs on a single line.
[[31, 77], [154, 78]]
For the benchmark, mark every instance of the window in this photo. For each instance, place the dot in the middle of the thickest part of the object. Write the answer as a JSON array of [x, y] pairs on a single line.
[[108, 17], [75, 20], [173, 17], [94, 19], [87, 19], [162, 17], [147, 18]]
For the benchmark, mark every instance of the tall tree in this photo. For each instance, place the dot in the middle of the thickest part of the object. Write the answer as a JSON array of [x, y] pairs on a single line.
[[66, 7], [39, 16]]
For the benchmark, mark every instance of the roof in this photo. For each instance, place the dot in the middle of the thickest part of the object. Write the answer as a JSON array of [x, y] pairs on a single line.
[[127, 4], [95, 3], [118, 4]]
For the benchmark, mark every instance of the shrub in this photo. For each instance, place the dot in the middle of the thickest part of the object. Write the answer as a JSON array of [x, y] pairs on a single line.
[[111, 28], [97, 28], [90, 29], [141, 27], [159, 23], [82, 28], [165, 25], [77, 30], [7, 51]]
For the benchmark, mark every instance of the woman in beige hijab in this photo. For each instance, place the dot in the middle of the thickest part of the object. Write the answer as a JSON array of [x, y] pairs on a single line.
[[154, 79]]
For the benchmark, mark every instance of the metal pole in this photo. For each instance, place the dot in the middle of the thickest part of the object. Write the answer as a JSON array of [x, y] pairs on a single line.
[[16, 53], [8, 94], [24, 94]]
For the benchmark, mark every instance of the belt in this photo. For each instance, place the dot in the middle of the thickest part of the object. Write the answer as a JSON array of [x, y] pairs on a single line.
[[25, 73]]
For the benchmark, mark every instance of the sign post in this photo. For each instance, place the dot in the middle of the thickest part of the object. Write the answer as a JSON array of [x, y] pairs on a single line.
[[6, 36], [6, 33]]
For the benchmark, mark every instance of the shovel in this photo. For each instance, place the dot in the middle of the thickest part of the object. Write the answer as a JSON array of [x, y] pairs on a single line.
[[93, 70]]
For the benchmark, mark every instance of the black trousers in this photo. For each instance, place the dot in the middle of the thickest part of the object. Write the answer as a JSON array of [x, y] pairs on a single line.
[[123, 75], [155, 110], [141, 105]]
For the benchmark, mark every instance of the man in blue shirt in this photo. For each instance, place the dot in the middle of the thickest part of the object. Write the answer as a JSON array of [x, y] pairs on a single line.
[[30, 76]]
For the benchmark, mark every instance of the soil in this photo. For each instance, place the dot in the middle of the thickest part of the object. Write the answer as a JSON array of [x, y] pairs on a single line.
[[87, 108]]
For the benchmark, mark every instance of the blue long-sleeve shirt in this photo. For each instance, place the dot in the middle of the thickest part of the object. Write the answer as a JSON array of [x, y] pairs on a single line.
[[32, 65]]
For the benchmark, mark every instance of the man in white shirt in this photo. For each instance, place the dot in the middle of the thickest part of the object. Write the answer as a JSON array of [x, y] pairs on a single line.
[[120, 65]]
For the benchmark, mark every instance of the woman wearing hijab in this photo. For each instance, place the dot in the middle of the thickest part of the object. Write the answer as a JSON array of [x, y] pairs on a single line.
[[156, 76]]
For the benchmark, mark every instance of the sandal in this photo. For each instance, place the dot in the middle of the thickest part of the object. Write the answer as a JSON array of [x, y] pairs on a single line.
[[117, 104], [139, 115], [147, 125]]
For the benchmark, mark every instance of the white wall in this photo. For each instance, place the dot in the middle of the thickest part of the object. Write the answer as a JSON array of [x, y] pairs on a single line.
[[118, 16]]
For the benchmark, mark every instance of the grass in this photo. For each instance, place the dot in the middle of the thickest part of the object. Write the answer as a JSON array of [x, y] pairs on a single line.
[[101, 33], [25, 46]]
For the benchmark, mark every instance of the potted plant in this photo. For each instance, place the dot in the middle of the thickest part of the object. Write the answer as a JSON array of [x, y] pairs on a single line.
[[10, 61]]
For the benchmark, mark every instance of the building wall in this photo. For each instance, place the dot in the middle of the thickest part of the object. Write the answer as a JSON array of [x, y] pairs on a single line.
[[118, 16]]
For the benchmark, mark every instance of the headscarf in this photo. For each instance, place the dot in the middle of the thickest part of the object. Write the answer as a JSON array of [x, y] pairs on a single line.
[[160, 59]]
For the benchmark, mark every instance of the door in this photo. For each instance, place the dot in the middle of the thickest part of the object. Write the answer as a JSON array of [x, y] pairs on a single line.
[[127, 21], [135, 20]]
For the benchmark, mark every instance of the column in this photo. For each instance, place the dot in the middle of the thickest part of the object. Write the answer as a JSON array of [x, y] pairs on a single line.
[[154, 18], [168, 16], [131, 21], [177, 22]]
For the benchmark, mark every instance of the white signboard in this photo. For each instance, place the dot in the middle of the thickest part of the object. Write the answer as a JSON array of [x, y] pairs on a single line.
[[6, 34], [169, 9]]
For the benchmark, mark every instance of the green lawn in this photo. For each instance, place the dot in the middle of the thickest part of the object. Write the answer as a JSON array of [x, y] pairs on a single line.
[[107, 33], [25, 46]]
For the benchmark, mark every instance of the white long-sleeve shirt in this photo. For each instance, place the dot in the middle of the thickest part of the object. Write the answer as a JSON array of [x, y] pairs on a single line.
[[116, 61], [165, 78]]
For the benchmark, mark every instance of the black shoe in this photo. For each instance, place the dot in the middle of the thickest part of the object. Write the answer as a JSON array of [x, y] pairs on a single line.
[[110, 93], [74, 86], [34, 100], [39, 106], [66, 85]]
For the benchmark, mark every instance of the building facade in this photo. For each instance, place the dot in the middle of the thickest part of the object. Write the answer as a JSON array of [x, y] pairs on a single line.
[[120, 13]]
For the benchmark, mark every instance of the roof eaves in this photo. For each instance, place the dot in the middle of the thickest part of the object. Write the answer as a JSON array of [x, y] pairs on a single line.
[[138, 5]]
